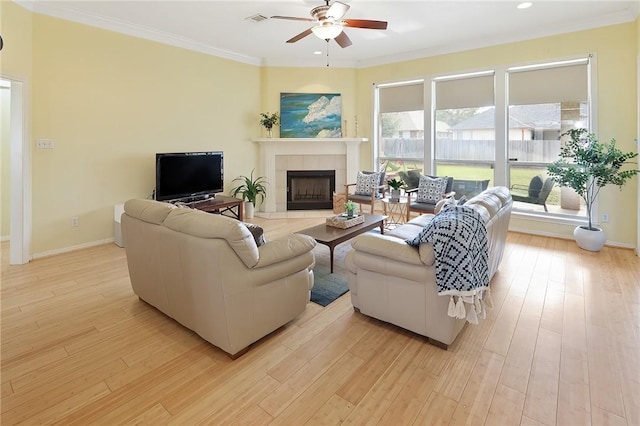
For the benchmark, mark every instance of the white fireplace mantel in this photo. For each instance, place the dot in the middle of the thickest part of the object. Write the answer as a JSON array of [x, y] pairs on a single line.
[[272, 147]]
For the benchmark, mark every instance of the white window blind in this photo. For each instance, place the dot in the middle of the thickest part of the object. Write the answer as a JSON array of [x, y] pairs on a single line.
[[467, 92], [549, 85], [408, 97]]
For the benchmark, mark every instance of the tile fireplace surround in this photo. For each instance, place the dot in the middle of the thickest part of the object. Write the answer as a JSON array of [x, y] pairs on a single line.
[[277, 155]]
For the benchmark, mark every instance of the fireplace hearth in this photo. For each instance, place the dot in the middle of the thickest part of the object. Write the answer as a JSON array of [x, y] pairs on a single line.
[[310, 189]]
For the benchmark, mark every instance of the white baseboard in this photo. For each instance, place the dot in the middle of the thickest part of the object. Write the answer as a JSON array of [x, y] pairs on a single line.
[[567, 237], [72, 248], [5, 238]]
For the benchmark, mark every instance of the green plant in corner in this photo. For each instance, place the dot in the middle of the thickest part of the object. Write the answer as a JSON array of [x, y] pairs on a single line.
[[587, 166], [251, 189]]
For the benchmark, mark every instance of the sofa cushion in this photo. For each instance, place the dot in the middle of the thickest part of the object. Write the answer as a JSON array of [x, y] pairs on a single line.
[[148, 210], [431, 189], [257, 232], [207, 225]]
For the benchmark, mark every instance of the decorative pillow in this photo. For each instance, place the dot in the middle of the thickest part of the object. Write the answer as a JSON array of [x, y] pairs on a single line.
[[257, 232], [441, 204], [430, 189], [366, 182]]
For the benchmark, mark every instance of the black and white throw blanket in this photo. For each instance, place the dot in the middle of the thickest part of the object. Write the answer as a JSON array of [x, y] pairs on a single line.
[[459, 238]]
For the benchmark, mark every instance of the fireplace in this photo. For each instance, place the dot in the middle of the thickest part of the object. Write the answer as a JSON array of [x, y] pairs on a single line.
[[310, 189]]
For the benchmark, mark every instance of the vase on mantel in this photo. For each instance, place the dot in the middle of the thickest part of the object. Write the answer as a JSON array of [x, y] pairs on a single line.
[[269, 132]]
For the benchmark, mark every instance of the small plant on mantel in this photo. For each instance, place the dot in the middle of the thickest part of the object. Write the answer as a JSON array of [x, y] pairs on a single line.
[[268, 121]]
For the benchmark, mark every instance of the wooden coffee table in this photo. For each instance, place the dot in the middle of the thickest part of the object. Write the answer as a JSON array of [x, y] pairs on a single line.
[[331, 237]]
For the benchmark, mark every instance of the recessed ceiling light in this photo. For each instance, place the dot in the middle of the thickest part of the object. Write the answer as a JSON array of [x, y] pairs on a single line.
[[317, 52], [525, 5]]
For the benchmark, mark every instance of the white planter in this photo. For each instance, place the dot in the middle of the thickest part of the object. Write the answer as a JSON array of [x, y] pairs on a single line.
[[249, 210], [592, 240], [395, 195]]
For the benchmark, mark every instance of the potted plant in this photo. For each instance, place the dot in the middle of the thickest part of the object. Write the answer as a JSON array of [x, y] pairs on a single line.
[[350, 208], [395, 185], [586, 166], [268, 121], [250, 189]]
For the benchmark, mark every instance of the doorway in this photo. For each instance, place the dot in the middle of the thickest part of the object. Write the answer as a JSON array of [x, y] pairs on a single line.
[[19, 197]]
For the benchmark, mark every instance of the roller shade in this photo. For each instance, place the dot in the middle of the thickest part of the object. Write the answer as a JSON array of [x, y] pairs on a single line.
[[549, 85], [469, 92], [409, 97]]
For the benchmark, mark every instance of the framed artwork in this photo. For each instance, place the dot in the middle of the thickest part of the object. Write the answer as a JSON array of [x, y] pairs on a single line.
[[310, 115]]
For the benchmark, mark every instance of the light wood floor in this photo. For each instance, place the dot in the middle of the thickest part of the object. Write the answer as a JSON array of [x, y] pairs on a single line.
[[562, 346]]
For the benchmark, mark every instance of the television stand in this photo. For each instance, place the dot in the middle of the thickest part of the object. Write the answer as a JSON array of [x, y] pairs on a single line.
[[220, 204]]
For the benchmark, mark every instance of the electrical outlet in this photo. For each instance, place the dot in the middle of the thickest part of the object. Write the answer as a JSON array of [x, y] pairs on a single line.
[[605, 217], [74, 221], [44, 143]]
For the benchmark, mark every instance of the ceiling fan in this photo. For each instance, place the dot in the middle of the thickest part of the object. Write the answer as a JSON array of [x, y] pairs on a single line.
[[329, 23]]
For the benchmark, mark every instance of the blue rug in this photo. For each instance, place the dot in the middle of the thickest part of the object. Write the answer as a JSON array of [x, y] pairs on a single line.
[[328, 287]]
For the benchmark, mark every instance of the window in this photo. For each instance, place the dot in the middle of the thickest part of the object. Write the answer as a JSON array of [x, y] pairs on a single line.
[[544, 102], [480, 139], [465, 135], [401, 127]]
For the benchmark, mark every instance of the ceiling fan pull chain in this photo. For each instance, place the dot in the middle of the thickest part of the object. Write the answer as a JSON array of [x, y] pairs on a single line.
[[327, 53]]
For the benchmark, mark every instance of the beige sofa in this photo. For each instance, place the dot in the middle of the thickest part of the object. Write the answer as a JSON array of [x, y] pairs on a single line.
[[207, 272], [395, 282]]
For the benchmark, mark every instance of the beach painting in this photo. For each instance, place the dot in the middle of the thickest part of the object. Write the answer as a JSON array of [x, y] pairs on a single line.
[[310, 115]]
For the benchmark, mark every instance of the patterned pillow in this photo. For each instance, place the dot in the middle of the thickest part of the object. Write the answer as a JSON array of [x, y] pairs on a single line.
[[366, 182], [430, 189]]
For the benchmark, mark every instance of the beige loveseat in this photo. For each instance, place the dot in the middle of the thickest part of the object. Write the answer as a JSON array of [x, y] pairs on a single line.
[[207, 272], [395, 282]]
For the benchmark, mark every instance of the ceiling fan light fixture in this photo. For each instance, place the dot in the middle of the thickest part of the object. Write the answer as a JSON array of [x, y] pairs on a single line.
[[327, 30]]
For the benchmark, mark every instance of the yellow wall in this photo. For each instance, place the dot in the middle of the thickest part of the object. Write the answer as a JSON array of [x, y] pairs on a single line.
[[616, 50], [110, 102], [278, 80]]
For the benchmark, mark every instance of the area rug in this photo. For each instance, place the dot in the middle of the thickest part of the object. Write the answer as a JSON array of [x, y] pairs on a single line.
[[328, 287]]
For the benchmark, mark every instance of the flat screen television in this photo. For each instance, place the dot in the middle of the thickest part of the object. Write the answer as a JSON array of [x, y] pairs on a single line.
[[189, 175]]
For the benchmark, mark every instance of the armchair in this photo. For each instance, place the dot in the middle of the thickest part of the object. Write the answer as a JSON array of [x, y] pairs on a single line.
[[430, 190], [536, 193], [369, 188]]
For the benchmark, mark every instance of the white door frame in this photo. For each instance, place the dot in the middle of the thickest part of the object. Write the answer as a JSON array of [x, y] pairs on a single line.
[[20, 209]]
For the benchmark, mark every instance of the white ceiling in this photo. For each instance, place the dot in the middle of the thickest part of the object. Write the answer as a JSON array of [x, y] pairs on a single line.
[[416, 28]]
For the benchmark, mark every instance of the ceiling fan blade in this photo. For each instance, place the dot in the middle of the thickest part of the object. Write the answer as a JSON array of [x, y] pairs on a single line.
[[365, 23], [293, 18], [337, 10], [300, 36], [343, 40]]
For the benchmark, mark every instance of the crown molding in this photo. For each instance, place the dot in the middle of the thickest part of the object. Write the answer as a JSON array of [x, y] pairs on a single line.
[[50, 8], [602, 21]]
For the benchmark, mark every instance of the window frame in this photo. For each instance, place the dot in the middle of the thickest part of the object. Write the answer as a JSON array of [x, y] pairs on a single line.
[[501, 166]]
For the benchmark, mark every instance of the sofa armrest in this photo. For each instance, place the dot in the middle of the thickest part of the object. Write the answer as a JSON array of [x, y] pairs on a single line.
[[284, 248], [387, 247]]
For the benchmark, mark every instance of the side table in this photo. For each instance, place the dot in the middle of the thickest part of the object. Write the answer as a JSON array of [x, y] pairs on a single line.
[[395, 210]]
